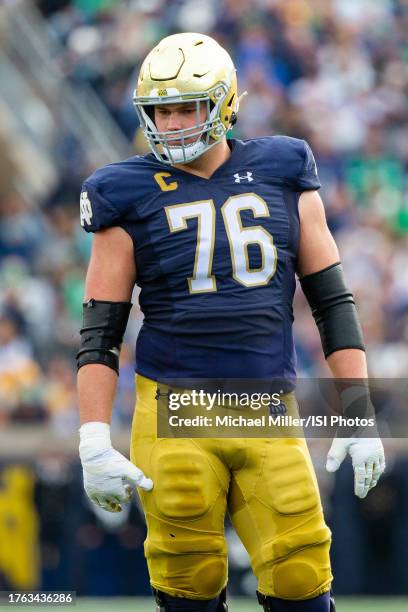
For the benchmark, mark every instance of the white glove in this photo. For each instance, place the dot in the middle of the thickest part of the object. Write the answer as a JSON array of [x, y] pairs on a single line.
[[368, 460], [105, 470]]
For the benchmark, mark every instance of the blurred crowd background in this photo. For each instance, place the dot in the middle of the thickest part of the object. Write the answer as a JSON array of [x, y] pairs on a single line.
[[334, 72]]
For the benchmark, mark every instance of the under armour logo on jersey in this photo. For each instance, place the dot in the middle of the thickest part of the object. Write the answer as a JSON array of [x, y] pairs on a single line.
[[86, 209], [246, 177]]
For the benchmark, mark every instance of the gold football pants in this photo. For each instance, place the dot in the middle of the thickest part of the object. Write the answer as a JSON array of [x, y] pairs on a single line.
[[269, 488]]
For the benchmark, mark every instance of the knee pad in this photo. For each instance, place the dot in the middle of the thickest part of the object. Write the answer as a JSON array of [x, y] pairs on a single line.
[[299, 562], [167, 603], [198, 577], [322, 603]]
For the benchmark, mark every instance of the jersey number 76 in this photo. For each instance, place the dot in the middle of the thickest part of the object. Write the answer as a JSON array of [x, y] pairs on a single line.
[[239, 238]]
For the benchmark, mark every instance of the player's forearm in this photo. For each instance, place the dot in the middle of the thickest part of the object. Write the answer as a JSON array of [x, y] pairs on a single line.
[[348, 363], [96, 392], [349, 369]]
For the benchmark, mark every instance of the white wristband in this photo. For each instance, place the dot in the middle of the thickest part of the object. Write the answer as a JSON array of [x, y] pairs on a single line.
[[94, 435]]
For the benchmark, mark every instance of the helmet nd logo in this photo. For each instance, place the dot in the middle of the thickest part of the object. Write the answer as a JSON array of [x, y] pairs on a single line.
[[162, 92]]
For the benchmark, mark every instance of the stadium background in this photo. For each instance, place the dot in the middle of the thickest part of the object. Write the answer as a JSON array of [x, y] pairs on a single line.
[[332, 71]]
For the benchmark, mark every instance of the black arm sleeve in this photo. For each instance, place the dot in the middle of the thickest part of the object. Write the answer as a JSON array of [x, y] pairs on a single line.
[[104, 325], [333, 309]]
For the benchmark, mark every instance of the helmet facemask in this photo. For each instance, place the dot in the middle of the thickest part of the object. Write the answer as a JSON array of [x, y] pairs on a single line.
[[201, 136]]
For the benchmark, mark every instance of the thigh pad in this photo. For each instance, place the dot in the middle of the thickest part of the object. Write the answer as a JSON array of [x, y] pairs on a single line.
[[186, 486], [287, 482]]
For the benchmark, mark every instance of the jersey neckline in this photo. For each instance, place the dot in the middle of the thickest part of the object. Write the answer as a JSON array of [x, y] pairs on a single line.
[[233, 144]]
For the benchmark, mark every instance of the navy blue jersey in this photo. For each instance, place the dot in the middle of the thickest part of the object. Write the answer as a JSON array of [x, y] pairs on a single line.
[[215, 258]]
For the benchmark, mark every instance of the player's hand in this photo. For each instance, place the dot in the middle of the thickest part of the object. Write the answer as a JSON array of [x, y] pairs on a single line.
[[368, 460], [107, 473]]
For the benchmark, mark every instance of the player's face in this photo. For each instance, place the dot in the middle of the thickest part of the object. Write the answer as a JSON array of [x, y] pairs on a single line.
[[172, 117]]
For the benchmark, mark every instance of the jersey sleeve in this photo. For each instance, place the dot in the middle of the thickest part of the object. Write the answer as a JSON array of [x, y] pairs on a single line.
[[96, 212], [308, 178]]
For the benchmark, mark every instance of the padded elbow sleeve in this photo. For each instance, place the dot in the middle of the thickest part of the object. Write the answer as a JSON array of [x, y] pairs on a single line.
[[333, 309], [104, 325]]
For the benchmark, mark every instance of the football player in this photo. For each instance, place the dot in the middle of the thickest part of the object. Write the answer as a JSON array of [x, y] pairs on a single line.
[[213, 231]]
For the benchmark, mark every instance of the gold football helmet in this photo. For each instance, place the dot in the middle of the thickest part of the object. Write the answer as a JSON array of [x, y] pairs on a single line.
[[187, 67]]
